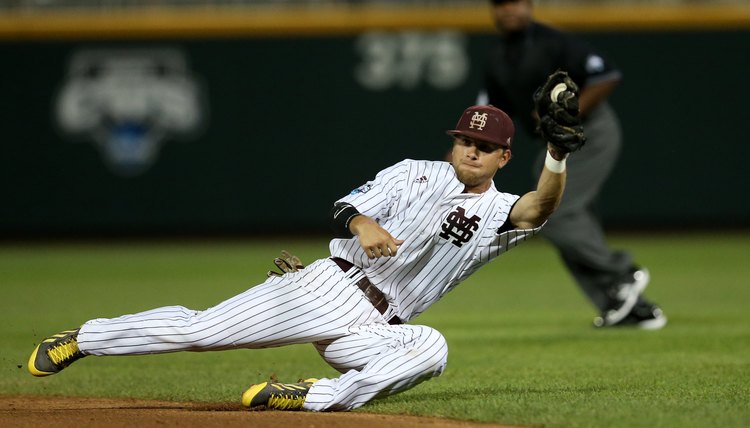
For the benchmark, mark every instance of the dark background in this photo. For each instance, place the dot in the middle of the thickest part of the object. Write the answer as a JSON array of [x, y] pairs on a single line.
[[290, 130]]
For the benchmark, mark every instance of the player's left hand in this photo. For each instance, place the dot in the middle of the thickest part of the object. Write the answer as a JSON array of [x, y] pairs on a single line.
[[287, 263], [565, 138], [558, 98], [556, 103]]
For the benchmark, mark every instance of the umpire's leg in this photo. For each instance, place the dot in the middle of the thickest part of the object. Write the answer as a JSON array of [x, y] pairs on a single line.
[[583, 248]]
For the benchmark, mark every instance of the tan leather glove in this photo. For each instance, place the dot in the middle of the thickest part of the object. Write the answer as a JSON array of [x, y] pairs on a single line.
[[287, 263]]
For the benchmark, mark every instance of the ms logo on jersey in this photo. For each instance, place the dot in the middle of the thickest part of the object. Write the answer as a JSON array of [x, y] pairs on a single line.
[[459, 227]]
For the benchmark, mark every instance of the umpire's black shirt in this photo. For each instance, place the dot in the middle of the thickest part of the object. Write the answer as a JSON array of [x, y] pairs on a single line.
[[520, 62]]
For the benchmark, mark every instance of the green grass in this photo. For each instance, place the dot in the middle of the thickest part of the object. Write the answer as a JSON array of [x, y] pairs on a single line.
[[522, 351]]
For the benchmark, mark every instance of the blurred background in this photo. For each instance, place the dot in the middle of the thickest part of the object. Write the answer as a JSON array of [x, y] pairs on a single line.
[[250, 117]]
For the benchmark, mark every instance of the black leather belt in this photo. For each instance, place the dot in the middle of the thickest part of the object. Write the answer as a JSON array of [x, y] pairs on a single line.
[[372, 293]]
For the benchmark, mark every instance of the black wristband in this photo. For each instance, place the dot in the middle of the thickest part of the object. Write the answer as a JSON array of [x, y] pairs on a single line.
[[341, 216]]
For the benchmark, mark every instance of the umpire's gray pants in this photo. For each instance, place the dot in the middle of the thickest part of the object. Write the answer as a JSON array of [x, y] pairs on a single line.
[[574, 228]]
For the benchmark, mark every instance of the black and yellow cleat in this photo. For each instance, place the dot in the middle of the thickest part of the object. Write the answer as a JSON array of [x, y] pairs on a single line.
[[277, 396], [55, 353]]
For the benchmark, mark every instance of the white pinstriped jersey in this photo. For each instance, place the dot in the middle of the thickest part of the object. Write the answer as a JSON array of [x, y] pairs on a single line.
[[447, 234]]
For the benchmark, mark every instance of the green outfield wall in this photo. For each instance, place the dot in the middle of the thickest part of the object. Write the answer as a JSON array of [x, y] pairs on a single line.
[[238, 132]]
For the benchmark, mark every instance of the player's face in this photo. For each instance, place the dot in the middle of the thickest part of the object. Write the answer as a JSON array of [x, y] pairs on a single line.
[[511, 16], [476, 162]]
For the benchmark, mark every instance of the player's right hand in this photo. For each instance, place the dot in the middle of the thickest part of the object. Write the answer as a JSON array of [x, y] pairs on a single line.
[[374, 240]]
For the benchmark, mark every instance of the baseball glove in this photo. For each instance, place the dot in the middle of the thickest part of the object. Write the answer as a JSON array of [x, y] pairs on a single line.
[[556, 102], [286, 263]]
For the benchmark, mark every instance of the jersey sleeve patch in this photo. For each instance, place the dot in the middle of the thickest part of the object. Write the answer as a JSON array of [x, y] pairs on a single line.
[[362, 189]]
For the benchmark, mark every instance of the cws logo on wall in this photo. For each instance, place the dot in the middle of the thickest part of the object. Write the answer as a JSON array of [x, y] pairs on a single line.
[[129, 102]]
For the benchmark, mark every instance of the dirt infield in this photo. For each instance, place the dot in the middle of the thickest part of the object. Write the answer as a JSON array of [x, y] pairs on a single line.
[[31, 411]]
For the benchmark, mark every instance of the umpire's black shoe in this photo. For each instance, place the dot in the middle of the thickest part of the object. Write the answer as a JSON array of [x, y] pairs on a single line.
[[623, 296], [55, 353], [645, 315]]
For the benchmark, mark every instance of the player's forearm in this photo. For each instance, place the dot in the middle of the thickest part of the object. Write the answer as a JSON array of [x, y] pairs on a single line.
[[549, 193], [551, 184], [535, 207]]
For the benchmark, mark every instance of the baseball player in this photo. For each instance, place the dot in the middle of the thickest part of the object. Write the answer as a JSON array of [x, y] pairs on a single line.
[[403, 240]]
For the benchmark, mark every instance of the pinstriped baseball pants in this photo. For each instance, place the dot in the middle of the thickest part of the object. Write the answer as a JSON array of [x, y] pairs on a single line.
[[319, 304]]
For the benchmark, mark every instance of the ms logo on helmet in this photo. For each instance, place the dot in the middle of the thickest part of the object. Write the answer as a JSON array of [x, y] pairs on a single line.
[[129, 102]]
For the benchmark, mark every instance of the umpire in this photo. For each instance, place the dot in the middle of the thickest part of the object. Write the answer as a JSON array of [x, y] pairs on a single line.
[[525, 54]]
